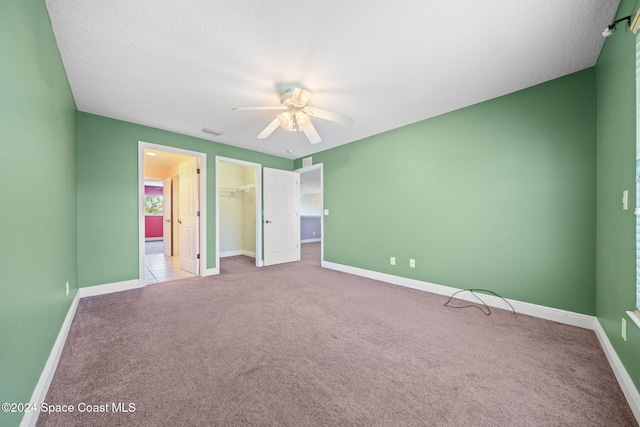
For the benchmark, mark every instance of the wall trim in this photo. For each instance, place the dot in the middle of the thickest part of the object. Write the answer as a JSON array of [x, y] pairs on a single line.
[[626, 383], [108, 288], [557, 315], [211, 271], [42, 387], [250, 254], [310, 240], [230, 253]]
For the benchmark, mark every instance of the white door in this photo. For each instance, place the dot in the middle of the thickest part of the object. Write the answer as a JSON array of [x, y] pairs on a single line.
[[166, 216], [281, 220], [189, 217]]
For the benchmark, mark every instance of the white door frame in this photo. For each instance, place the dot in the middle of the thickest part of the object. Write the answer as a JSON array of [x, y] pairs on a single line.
[[258, 169], [203, 204], [167, 216], [322, 236]]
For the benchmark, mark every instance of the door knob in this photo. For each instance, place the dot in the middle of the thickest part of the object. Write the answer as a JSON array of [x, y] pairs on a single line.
[[268, 222]]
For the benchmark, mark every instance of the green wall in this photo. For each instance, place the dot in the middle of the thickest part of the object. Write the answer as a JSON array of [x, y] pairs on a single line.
[[108, 193], [37, 219], [616, 264], [498, 196]]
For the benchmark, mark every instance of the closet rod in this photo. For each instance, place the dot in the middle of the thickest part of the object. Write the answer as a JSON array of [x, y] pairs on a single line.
[[245, 188]]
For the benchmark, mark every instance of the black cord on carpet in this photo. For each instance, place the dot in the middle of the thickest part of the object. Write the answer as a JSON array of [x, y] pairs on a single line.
[[473, 292]]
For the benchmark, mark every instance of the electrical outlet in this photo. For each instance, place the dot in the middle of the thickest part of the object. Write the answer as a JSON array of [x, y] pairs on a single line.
[[393, 260], [624, 329], [412, 263], [67, 285]]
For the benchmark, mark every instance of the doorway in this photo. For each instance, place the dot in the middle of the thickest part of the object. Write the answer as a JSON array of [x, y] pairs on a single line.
[[311, 209], [179, 209], [238, 210]]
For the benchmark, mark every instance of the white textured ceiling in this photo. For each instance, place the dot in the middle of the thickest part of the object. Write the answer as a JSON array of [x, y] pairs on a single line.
[[183, 65], [158, 165]]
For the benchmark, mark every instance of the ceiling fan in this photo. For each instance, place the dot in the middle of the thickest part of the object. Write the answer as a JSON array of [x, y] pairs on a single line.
[[296, 115]]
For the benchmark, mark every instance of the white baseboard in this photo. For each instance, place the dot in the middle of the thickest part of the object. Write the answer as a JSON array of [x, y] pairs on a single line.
[[554, 314], [211, 271], [310, 240], [42, 387], [238, 252], [108, 288], [230, 253], [626, 383]]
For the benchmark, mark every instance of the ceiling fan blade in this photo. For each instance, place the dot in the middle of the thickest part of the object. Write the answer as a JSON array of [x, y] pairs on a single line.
[[274, 107], [269, 129], [328, 115], [312, 134]]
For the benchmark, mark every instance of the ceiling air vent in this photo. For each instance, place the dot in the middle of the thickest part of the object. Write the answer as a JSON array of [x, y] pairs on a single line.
[[212, 131]]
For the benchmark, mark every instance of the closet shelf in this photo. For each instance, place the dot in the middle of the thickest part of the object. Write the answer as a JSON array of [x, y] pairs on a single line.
[[231, 191]]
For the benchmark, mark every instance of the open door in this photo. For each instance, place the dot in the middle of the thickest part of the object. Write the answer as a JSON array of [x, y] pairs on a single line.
[[166, 216], [189, 216], [281, 220]]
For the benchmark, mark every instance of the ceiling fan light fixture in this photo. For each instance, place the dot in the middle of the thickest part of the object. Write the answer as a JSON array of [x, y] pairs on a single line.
[[294, 121], [286, 120], [295, 115], [302, 120]]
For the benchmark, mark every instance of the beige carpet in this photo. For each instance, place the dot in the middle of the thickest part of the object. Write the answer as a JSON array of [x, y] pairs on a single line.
[[298, 345]]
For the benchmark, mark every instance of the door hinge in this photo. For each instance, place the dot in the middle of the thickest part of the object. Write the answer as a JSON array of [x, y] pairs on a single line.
[[198, 170], [198, 213], [198, 256]]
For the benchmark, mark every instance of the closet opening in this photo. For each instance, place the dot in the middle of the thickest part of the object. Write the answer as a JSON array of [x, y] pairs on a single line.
[[239, 214]]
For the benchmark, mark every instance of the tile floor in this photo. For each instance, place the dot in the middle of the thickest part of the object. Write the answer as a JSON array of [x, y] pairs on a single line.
[[160, 268]]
